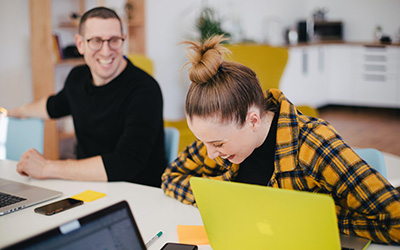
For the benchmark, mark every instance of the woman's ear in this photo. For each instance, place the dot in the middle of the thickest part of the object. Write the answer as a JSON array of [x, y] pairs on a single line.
[[254, 119]]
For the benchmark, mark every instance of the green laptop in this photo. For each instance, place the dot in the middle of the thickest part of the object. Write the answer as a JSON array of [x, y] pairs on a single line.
[[244, 216]]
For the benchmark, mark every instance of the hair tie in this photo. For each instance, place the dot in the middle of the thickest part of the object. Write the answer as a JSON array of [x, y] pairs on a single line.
[[220, 68]]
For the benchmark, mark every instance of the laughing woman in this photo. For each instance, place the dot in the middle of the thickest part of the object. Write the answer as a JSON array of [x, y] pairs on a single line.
[[245, 135]]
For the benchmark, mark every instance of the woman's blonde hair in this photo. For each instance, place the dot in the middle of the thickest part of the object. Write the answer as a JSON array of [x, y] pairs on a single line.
[[220, 88]]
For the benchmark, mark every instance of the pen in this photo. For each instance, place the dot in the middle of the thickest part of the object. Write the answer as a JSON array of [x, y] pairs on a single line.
[[154, 238]]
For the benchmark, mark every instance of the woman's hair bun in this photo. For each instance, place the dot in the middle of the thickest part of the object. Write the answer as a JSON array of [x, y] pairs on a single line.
[[205, 58]]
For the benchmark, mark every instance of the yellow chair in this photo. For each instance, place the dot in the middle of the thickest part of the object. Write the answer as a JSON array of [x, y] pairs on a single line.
[[308, 110], [268, 63], [142, 62]]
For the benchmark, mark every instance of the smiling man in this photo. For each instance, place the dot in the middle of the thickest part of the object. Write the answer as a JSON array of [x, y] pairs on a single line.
[[116, 107]]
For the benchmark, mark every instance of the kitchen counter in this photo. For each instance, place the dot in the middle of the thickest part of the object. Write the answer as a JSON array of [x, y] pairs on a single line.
[[343, 73], [336, 42]]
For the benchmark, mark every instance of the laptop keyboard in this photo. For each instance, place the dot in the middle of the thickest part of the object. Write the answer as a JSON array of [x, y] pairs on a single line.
[[7, 199]]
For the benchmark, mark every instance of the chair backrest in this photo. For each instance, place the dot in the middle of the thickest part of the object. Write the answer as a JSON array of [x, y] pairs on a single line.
[[21, 135], [374, 158], [143, 62], [186, 136], [171, 143], [268, 62], [3, 137], [308, 110]]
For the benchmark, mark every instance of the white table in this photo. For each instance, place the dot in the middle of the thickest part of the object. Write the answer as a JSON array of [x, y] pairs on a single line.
[[152, 209]]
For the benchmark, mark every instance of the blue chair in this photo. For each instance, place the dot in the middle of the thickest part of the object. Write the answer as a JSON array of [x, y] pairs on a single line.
[[374, 158], [171, 143], [23, 134]]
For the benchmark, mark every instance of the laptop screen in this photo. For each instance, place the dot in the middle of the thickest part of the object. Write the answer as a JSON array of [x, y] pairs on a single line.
[[110, 228]]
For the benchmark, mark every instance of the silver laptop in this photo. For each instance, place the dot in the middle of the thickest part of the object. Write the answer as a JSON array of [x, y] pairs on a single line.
[[112, 227], [15, 195]]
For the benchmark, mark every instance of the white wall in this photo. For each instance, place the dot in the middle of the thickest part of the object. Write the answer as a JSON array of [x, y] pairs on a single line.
[[15, 56], [170, 22], [167, 24]]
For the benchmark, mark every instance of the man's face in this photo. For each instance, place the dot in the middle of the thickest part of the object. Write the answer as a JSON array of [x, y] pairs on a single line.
[[105, 64]]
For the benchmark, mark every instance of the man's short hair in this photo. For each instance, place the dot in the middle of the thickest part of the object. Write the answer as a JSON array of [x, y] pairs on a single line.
[[98, 12]]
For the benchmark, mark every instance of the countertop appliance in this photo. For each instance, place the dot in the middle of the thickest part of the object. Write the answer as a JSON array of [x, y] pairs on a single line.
[[327, 30], [319, 30]]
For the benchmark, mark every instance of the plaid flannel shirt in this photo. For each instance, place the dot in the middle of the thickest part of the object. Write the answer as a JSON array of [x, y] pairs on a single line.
[[310, 156]]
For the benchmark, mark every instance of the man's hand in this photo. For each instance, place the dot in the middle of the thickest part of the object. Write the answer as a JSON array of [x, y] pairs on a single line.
[[35, 109], [32, 164]]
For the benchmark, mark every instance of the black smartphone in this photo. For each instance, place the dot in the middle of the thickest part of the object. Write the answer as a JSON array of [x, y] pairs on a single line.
[[178, 246], [58, 206]]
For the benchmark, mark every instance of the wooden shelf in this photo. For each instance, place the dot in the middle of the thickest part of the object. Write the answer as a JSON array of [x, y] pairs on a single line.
[[72, 61], [137, 28], [135, 23], [69, 25], [43, 67], [66, 135]]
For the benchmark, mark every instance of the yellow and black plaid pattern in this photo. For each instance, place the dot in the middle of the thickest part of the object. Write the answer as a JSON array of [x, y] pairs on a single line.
[[310, 156]]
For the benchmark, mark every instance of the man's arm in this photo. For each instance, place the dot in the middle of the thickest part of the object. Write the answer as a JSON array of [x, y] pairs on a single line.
[[35, 109], [33, 164]]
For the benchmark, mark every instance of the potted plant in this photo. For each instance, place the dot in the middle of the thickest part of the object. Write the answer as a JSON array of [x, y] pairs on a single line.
[[208, 24]]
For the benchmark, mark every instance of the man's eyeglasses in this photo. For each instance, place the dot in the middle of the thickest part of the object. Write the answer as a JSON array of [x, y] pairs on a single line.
[[114, 43]]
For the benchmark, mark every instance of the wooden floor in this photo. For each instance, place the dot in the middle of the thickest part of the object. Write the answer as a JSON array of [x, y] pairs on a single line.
[[366, 127]]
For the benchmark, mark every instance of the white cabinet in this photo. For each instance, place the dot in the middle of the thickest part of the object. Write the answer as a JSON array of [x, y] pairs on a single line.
[[293, 78], [377, 81], [343, 74], [340, 74], [303, 80], [317, 68]]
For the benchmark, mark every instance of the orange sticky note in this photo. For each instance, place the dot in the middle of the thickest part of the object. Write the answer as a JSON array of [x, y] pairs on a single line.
[[88, 196], [189, 234]]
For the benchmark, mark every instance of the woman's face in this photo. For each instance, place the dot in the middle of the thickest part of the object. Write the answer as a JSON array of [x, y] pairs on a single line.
[[227, 141]]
